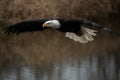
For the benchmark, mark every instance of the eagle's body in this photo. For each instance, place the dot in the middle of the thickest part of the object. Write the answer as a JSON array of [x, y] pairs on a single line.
[[70, 26]]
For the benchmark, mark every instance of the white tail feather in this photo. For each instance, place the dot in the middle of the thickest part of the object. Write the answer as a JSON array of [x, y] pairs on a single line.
[[84, 38]]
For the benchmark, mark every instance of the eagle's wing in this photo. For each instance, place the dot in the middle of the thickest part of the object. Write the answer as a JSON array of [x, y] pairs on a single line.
[[99, 27], [88, 32], [93, 25], [26, 26]]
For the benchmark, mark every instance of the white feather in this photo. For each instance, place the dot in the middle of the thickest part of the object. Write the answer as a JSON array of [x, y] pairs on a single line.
[[84, 38]]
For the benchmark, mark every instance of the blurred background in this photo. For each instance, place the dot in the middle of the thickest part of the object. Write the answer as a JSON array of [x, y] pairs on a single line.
[[49, 53]]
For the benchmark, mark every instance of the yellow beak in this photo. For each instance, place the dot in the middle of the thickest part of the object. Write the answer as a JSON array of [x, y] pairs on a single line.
[[44, 25]]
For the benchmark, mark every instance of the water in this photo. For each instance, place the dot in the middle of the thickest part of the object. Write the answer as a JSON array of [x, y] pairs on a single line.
[[99, 60], [96, 67]]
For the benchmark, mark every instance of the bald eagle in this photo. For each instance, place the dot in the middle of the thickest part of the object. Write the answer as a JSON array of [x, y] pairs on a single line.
[[72, 27]]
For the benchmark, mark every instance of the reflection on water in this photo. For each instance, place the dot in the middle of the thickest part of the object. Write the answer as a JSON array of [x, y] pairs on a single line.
[[95, 67]]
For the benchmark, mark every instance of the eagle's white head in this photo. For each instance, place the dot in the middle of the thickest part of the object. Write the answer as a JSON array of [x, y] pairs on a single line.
[[52, 24]]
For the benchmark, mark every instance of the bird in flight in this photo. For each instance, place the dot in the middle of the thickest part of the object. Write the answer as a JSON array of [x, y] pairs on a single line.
[[80, 30]]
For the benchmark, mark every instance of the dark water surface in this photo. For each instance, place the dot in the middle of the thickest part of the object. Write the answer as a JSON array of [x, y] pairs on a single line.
[[104, 67], [102, 62]]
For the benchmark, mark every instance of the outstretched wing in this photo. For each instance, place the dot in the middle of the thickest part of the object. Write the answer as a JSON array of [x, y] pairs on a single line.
[[91, 24], [26, 26], [88, 32]]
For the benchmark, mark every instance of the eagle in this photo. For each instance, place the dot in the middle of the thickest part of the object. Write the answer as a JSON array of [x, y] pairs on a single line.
[[80, 30]]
